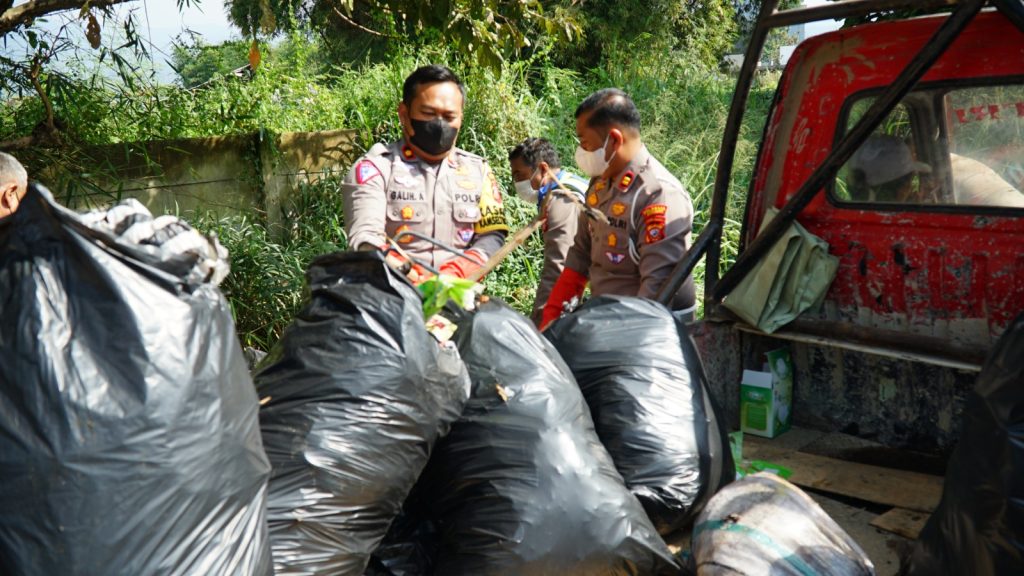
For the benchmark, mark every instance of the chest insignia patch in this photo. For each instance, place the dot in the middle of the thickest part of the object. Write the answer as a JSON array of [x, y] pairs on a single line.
[[614, 257]]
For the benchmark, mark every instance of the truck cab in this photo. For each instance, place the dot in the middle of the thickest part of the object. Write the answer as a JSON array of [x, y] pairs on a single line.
[[907, 158]]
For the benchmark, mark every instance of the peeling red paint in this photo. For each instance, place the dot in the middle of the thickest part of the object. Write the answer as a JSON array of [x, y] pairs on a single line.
[[959, 275]]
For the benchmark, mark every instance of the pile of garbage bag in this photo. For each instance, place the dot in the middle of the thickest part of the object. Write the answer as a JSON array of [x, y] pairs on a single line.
[[522, 485], [355, 395], [644, 383], [129, 440], [390, 440]]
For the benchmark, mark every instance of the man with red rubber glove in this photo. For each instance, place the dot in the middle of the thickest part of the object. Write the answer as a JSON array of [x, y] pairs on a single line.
[[649, 213], [424, 184]]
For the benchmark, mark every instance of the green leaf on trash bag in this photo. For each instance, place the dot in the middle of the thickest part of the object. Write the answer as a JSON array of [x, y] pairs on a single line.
[[438, 290]]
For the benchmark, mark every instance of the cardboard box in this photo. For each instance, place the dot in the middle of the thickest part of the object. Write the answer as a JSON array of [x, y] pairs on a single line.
[[766, 397]]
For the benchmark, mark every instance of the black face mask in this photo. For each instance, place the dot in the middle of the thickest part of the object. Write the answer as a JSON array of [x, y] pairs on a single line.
[[433, 136]]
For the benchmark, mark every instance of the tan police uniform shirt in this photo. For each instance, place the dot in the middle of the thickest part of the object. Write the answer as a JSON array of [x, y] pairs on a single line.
[[559, 235], [457, 202], [650, 217]]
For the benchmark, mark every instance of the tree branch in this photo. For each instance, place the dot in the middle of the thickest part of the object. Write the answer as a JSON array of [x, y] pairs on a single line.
[[24, 13], [51, 128], [359, 26]]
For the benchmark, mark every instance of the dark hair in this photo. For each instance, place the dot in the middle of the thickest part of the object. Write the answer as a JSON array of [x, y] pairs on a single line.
[[610, 106], [533, 151], [430, 74]]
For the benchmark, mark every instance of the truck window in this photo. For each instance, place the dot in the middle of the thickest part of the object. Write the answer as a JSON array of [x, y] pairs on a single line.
[[951, 146]]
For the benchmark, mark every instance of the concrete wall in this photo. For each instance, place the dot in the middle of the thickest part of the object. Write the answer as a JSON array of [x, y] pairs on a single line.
[[244, 174]]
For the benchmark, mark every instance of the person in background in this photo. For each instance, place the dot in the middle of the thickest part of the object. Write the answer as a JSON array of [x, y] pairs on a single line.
[[884, 170], [13, 184], [536, 171], [650, 215], [423, 183]]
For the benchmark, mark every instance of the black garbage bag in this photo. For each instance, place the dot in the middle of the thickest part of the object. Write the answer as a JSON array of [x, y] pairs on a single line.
[[129, 441], [356, 393], [644, 382], [410, 546], [522, 485], [978, 527]]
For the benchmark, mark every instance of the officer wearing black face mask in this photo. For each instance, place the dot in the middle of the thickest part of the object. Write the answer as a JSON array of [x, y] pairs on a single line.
[[423, 183]]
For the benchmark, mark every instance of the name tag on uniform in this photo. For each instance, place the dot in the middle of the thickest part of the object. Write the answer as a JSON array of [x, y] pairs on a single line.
[[467, 212]]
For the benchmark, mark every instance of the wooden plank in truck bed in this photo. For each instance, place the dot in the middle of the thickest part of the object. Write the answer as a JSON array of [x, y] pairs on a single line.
[[898, 488], [906, 523]]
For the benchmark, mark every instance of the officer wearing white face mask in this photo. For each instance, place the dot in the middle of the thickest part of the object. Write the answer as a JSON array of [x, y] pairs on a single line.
[[424, 184], [536, 170], [650, 215]]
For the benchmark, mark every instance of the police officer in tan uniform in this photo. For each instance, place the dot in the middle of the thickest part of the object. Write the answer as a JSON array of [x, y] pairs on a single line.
[[423, 183], [536, 171], [650, 215]]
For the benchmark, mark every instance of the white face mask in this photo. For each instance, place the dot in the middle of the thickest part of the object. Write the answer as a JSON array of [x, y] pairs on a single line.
[[526, 192], [593, 163]]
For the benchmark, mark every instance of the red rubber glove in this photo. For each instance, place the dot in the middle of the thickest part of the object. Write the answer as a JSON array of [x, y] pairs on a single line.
[[461, 267], [570, 284], [412, 270]]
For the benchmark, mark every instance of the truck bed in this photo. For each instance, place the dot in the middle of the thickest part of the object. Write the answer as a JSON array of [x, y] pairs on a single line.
[[881, 497]]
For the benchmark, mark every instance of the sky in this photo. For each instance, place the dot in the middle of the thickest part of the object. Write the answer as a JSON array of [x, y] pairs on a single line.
[[816, 28], [161, 22], [165, 22]]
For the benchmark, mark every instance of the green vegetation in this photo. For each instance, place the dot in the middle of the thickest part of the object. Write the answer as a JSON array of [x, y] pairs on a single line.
[[683, 104], [302, 85]]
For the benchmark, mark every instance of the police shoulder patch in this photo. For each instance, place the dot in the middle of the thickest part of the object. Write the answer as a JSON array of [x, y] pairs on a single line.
[[366, 171], [654, 211], [654, 222]]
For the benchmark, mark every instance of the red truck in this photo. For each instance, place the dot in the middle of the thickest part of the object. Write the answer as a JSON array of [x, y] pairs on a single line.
[[928, 277], [900, 143]]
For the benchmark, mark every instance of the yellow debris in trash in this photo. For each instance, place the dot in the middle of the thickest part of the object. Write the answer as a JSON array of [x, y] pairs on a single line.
[[502, 392]]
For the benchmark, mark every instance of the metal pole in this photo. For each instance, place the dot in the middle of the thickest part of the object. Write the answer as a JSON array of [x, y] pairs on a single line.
[[1013, 10], [720, 197], [687, 264], [840, 10], [881, 108]]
